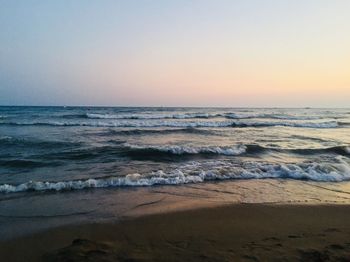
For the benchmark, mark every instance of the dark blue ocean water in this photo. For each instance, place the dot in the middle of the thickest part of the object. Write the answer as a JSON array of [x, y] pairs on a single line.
[[64, 148]]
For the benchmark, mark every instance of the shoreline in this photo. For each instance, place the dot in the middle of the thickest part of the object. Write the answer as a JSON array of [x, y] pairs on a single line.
[[21, 216], [236, 232]]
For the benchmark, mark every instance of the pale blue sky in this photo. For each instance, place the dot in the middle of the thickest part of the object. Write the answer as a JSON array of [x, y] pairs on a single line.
[[186, 53]]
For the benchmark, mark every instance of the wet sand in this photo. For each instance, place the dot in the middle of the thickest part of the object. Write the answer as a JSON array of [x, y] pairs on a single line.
[[239, 232]]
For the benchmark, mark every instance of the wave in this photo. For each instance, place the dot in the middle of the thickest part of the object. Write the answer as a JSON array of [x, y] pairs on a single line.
[[152, 116], [270, 116], [344, 123], [328, 124], [5, 138], [145, 152], [191, 150], [73, 116], [188, 130], [340, 150], [167, 153], [336, 170], [229, 115], [200, 115], [173, 153], [6, 141], [180, 124], [23, 163], [233, 150]]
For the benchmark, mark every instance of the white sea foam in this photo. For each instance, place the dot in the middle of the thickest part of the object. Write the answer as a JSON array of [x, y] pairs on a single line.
[[269, 116], [183, 124], [129, 123], [179, 150], [329, 124], [336, 170], [200, 115], [347, 149], [5, 138], [152, 116]]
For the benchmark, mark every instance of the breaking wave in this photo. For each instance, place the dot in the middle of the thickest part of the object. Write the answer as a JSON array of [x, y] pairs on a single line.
[[270, 116], [235, 150], [180, 124], [159, 153], [181, 150], [336, 170], [188, 130], [200, 115], [152, 116]]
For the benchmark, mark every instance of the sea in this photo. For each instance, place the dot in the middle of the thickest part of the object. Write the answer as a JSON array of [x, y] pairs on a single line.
[[62, 165]]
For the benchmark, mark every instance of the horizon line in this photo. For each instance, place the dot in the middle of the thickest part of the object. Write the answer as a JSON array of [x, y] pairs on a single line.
[[145, 106]]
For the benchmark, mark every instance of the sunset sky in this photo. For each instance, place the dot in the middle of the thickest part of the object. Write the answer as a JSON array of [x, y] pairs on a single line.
[[175, 53]]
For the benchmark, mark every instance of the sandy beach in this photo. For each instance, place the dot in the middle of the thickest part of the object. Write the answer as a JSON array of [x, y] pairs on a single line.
[[240, 232]]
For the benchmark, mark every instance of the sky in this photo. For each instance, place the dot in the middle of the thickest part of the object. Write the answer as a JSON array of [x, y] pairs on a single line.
[[248, 53]]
